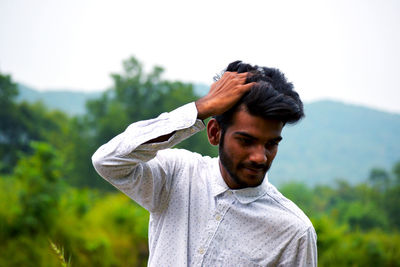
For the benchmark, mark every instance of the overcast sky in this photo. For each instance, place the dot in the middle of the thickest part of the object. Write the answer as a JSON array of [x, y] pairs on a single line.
[[342, 50]]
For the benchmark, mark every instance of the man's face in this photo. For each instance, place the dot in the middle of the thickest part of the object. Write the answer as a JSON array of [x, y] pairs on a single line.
[[249, 146]]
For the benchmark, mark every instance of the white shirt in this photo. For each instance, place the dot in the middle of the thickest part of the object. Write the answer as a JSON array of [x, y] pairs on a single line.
[[195, 219]]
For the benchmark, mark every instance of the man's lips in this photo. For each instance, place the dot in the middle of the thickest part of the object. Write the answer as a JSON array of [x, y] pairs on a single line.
[[253, 166], [254, 171]]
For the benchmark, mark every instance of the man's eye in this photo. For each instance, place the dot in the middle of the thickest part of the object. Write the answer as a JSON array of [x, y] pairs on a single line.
[[246, 141], [272, 144]]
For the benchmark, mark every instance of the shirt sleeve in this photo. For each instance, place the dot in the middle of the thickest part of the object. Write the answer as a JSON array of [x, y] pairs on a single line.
[[134, 167], [302, 251]]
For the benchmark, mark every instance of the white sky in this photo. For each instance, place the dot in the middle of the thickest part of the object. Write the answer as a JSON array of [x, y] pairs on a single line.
[[343, 50]]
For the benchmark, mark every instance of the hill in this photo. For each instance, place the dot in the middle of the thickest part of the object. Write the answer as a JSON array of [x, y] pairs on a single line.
[[72, 103], [335, 140]]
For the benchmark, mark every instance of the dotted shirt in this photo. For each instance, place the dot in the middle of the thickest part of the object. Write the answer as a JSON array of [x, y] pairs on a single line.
[[195, 219]]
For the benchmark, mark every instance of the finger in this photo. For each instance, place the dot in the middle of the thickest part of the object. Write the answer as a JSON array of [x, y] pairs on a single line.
[[241, 80], [228, 73], [248, 86], [243, 74]]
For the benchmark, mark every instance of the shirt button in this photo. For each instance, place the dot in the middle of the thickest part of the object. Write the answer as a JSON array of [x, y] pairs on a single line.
[[229, 193], [218, 217], [201, 251]]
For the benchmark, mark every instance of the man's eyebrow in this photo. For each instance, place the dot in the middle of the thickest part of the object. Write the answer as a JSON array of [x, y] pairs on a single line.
[[276, 139], [245, 135]]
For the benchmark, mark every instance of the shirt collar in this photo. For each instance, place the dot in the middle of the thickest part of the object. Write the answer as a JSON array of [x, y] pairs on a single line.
[[245, 195]]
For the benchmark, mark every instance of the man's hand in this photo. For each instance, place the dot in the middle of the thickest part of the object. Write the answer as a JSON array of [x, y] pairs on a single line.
[[223, 94]]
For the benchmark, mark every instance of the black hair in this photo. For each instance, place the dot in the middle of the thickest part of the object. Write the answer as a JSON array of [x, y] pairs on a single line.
[[272, 97]]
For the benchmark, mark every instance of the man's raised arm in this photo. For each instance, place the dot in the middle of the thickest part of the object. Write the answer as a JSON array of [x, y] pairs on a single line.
[[126, 160], [223, 94]]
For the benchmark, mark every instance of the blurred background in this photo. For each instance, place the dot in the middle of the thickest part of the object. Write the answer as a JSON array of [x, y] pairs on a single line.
[[73, 74]]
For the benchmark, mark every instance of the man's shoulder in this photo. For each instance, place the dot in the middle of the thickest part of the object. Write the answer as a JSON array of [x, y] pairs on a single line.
[[183, 157], [292, 211], [182, 153]]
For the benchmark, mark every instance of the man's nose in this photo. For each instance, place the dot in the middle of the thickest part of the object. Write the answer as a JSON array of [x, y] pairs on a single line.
[[258, 155]]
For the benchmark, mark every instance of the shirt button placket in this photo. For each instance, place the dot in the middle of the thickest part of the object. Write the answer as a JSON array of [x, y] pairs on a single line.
[[221, 209], [201, 251]]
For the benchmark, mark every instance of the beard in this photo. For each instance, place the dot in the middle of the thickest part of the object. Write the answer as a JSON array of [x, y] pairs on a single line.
[[228, 164]]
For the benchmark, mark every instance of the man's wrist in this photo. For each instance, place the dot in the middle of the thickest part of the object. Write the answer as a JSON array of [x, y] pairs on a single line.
[[202, 109]]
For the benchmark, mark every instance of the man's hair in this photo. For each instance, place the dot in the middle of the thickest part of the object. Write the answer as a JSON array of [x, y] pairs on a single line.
[[272, 97]]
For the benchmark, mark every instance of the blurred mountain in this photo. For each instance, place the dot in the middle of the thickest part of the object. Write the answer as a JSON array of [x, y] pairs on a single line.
[[201, 89], [337, 140], [334, 140], [71, 102]]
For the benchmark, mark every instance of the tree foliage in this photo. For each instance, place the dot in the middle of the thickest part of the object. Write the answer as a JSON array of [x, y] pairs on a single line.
[[21, 123], [365, 206], [135, 95]]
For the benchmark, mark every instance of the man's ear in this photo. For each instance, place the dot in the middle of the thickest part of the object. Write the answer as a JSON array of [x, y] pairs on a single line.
[[213, 132]]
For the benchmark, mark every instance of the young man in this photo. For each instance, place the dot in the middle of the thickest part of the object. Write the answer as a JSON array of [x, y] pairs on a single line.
[[216, 211]]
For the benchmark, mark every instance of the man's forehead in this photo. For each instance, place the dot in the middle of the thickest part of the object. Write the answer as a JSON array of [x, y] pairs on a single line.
[[245, 123], [243, 108]]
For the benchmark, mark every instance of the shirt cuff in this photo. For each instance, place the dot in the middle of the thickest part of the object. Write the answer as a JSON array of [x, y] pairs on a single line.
[[183, 121], [183, 117]]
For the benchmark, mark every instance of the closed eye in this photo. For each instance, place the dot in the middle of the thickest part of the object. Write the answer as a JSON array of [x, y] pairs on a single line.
[[245, 141], [274, 142]]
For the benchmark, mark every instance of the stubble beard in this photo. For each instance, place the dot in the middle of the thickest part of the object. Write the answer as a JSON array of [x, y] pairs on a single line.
[[227, 164]]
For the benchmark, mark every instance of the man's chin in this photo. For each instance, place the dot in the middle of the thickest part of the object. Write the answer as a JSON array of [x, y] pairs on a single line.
[[251, 178]]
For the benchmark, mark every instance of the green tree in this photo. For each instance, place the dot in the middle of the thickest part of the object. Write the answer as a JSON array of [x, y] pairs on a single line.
[[8, 91], [21, 123], [136, 95], [392, 198], [396, 172], [8, 123], [300, 194], [39, 197], [379, 178]]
